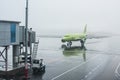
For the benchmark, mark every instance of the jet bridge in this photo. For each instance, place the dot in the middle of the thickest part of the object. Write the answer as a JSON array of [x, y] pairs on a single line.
[[12, 35]]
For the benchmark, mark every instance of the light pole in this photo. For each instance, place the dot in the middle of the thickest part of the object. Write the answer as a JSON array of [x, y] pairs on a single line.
[[26, 39]]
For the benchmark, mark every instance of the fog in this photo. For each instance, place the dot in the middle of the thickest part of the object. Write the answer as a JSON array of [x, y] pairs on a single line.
[[64, 16]]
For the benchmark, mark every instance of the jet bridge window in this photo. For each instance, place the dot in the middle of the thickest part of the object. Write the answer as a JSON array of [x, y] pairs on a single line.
[[13, 32]]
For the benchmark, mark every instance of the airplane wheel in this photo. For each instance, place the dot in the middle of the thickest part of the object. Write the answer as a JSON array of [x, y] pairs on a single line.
[[63, 46], [69, 44]]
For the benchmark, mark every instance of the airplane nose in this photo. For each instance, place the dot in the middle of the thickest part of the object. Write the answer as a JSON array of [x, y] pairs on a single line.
[[63, 40]]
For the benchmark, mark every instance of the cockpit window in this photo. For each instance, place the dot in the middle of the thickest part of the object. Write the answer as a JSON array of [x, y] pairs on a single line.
[[66, 35]]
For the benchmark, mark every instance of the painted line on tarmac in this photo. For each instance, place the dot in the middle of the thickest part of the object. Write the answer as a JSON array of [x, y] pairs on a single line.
[[93, 70], [73, 68], [54, 60], [116, 71]]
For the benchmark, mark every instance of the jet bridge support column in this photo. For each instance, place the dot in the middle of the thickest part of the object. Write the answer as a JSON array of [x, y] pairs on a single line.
[[16, 53], [6, 60]]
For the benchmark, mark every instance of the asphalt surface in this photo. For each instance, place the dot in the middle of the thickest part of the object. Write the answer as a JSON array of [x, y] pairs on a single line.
[[99, 61]]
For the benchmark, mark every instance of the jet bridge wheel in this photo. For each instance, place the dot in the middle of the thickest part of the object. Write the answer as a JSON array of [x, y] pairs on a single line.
[[44, 68]]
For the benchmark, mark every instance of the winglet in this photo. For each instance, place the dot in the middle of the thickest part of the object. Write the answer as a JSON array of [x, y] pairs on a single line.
[[85, 29]]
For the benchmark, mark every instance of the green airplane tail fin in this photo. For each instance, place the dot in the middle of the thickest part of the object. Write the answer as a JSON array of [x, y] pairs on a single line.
[[85, 29]]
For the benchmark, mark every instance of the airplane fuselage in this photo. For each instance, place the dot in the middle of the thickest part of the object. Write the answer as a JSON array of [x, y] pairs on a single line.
[[74, 37]]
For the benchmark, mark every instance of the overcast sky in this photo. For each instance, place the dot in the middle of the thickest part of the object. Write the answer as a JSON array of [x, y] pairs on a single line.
[[62, 16]]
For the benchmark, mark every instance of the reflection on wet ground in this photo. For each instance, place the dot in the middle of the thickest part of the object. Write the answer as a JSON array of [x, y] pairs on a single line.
[[98, 61], [75, 51]]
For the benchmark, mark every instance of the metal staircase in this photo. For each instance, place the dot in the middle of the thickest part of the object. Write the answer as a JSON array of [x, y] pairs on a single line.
[[35, 49]]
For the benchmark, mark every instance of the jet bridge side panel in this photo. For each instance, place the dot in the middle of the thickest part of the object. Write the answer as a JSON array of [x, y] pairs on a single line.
[[4, 34]]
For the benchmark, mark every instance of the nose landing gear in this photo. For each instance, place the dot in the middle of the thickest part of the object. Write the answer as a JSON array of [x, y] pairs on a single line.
[[69, 44]]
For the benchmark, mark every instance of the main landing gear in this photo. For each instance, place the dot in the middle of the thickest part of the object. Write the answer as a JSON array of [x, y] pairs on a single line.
[[82, 43], [69, 44]]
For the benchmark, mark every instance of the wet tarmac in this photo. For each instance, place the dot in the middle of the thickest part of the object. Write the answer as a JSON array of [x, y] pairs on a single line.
[[99, 60]]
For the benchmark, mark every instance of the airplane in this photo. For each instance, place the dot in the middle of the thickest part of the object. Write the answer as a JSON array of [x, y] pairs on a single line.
[[69, 38], [75, 37]]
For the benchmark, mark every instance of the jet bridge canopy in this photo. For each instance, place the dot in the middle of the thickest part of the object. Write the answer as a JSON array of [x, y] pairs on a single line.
[[13, 34], [9, 33]]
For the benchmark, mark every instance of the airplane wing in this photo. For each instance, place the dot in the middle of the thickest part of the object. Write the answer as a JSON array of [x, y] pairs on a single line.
[[50, 36], [95, 35], [98, 35]]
